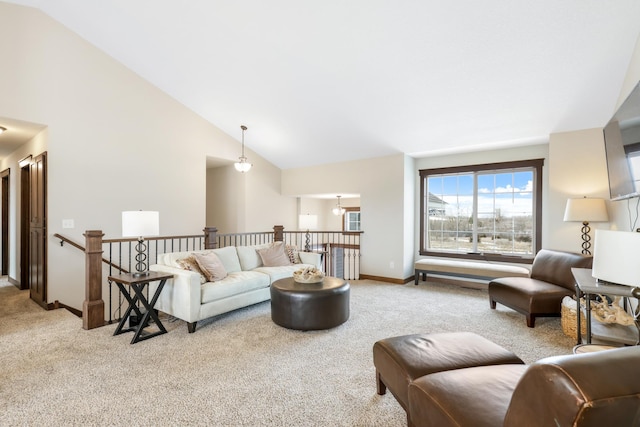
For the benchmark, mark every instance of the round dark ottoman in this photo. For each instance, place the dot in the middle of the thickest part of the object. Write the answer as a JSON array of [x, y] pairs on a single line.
[[310, 306]]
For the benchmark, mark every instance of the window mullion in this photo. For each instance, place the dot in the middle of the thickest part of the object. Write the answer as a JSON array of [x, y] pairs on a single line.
[[474, 212]]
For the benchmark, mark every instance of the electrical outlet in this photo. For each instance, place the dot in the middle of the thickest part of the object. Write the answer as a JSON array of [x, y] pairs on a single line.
[[67, 223], [392, 264]]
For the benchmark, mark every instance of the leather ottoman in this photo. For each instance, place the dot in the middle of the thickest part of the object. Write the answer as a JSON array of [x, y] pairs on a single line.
[[400, 360], [310, 306]]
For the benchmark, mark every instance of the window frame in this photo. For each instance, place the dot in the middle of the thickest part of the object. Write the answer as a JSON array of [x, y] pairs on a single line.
[[344, 221], [536, 164]]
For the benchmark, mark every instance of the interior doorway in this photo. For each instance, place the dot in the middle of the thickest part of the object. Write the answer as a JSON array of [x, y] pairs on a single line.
[[33, 228], [4, 176]]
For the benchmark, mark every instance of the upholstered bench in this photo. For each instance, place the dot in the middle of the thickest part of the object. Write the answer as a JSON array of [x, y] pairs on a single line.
[[469, 269], [402, 359]]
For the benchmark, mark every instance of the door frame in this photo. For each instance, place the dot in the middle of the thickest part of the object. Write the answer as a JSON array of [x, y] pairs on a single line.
[[4, 176]]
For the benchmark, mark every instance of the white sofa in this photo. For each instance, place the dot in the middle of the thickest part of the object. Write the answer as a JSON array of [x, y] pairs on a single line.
[[248, 282]]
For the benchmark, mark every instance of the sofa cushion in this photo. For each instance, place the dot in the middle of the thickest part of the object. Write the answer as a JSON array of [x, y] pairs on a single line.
[[211, 266], [274, 255], [228, 256], [248, 256], [190, 264], [234, 284]]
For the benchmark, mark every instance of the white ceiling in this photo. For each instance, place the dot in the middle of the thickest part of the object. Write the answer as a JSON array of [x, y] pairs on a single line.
[[324, 81]]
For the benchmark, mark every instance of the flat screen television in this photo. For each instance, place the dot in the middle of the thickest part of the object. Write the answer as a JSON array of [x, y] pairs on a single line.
[[622, 147]]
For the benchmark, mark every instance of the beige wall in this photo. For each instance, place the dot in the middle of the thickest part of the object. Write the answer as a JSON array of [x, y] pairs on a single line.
[[115, 143], [381, 185]]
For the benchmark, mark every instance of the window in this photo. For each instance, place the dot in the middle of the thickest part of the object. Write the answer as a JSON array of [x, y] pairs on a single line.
[[491, 211], [351, 220]]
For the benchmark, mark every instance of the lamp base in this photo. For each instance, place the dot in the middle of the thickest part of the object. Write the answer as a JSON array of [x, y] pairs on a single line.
[[140, 274], [586, 239]]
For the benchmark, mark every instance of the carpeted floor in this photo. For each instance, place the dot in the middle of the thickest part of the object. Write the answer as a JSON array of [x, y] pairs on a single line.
[[239, 369]]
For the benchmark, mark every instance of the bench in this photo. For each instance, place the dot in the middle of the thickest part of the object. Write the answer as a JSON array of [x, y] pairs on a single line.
[[467, 269]]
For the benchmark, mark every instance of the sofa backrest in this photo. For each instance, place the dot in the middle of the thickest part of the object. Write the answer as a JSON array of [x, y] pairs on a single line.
[[248, 256], [228, 256], [585, 390], [555, 267]]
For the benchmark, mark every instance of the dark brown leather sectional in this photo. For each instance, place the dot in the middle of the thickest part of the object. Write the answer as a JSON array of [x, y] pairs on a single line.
[[541, 294], [461, 379]]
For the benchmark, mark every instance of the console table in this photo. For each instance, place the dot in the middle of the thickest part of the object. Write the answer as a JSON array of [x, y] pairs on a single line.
[[587, 286], [138, 283]]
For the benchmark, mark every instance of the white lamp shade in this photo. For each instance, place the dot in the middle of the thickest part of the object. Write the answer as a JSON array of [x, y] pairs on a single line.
[[615, 257], [140, 223], [242, 166], [308, 222], [586, 210]]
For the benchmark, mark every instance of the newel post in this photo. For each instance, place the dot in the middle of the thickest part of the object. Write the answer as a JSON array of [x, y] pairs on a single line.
[[93, 305], [210, 241], [278, 233]]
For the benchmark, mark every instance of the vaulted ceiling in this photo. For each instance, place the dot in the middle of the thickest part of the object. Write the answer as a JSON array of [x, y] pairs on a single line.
[[326, 81]]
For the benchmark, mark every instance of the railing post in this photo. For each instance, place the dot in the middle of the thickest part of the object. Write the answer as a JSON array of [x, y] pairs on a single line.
[[93, 305], [278, 233], [210, 237]]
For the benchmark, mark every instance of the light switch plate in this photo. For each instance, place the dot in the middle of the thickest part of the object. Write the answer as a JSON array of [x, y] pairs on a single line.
[[67, 223]]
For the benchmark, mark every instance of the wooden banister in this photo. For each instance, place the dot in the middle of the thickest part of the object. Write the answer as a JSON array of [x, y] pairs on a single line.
[[93, 306]]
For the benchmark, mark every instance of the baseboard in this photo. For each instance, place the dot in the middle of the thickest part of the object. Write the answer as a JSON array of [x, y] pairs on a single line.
[[75, 311], [386, 279], [14, 282]]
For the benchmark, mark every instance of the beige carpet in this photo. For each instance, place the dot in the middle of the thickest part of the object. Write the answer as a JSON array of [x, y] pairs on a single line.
[[238, 369]]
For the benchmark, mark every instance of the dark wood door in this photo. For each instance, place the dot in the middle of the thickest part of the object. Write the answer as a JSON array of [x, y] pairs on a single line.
[[38, 229], [4, 175]]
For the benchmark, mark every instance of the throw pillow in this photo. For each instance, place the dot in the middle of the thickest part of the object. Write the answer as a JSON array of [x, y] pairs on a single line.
[[274, 256], [293, 253], [190, 264], [211, 266]]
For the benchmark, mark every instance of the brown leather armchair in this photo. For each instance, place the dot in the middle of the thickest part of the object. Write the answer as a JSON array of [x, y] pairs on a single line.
[[541, 294], [586, 390]]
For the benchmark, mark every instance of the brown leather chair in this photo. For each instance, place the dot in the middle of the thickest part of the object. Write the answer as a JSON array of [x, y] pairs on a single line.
[[585, 390], [541, 294]]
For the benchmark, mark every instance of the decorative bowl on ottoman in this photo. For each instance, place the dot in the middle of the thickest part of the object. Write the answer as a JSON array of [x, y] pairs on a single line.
[[308, 275]]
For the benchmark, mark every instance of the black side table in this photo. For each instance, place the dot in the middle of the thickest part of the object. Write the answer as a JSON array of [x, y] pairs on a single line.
[[137, 284]]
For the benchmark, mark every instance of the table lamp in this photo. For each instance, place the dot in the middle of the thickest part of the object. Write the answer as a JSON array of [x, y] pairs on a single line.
[[140, 224], [586, 210], [615, 258]]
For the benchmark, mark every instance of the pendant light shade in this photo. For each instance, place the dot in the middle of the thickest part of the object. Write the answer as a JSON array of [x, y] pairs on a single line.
[[338, 210], [242, 165]]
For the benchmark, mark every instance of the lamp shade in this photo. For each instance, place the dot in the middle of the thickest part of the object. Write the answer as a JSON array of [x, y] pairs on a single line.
[[308, 222], [140, 223], [615, 257], [586, 210]]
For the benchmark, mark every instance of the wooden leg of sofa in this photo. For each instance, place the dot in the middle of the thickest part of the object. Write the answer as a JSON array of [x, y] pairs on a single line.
[[382, 389], [191, 327], [492, 304], [531, 320]]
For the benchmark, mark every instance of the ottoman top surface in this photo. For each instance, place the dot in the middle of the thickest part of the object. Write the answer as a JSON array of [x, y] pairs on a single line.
[[329, 284]]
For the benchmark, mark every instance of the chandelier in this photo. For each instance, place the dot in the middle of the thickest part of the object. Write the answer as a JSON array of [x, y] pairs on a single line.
[[242, 165], [338, 210]]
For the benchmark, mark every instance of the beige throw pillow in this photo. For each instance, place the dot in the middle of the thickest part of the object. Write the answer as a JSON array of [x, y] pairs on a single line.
[[190, 264], [211, 266], [293, 253], [274, 255]]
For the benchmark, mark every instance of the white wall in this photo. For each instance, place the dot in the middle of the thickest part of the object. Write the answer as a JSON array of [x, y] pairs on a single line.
[[381, 185], [114, 143]]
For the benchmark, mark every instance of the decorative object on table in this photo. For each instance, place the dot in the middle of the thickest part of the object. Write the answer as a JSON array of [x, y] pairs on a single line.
[[605, 312], [586, 210], [339, 210], [2, 129], [242, 165], [615, 258], [308, 275], [140, 224], [308, 222], [569, 317]]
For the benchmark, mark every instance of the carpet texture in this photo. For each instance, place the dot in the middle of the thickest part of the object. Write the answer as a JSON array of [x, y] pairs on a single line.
[[238, 369]]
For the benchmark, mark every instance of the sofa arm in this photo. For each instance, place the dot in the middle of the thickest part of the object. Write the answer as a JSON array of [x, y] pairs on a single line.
[[180, 296], [591, 389], [312, 258]]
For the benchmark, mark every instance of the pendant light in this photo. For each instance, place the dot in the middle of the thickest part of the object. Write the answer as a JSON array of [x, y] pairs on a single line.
[[242, 165], [338, 210]]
